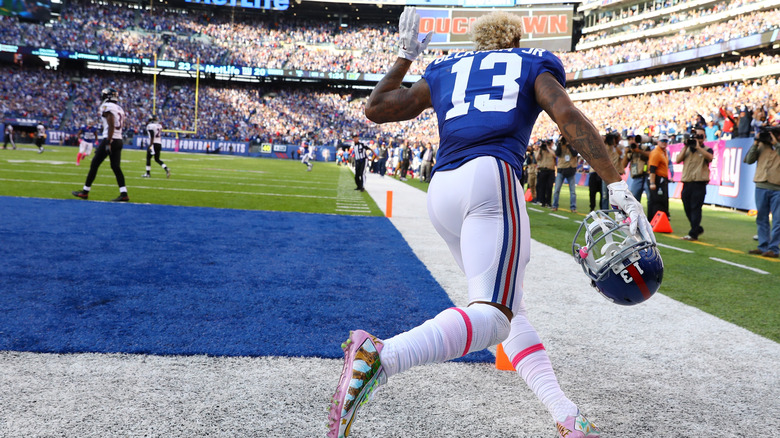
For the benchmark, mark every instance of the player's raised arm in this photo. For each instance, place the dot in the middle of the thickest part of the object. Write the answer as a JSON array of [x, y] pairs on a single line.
[[388, 101]]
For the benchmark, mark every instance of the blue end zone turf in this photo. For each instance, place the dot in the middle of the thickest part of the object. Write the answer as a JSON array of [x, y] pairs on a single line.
[[82, 276]]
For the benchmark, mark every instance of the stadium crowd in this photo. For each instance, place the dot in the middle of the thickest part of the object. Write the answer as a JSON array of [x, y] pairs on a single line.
[[268, 114], [305, 45], [325, 116]]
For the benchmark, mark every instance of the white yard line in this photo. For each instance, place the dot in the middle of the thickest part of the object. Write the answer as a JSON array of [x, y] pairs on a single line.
[[749, 268]]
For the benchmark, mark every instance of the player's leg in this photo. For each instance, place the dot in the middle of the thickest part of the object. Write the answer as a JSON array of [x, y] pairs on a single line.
[[100, 154], [116, 159], [455, 331], [80, 155], [557, 190], [572, 191], [484, 243], [149, 153], [157, 152], [523, 345]]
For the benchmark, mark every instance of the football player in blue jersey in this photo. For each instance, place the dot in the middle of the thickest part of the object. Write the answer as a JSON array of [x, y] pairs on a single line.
[[487, 102], [87, 136]]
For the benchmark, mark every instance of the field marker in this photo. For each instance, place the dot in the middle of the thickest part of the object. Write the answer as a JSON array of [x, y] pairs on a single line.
[[674, 248], [558, 216], [389, 205], [739, 266], [536, 210]]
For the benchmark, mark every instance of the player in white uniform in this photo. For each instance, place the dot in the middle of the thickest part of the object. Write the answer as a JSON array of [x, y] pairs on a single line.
[[9, 136], [307, 155], [113, 118], [486, 102], [87, 137], [40, 137], [154, 130]]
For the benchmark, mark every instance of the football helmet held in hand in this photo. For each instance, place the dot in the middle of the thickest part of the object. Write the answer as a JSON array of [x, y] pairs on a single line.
[[626, 268]]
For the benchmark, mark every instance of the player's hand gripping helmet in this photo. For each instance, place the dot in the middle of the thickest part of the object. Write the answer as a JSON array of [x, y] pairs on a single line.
[[109, 94], [627, 269]]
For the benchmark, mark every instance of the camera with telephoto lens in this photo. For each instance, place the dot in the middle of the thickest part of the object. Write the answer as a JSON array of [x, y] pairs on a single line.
[[691, 143], [764, 135]]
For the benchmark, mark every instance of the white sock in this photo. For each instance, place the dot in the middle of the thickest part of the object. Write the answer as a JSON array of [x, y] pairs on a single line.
[[450, 334], [526, 352]]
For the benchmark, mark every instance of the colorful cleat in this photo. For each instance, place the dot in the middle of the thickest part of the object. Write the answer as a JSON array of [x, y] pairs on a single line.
[[577, 427], [363, 373], [83, 194], [121, 198]]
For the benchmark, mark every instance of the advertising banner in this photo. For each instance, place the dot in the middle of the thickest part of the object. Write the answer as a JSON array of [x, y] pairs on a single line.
[[731, 180], [545, 27]]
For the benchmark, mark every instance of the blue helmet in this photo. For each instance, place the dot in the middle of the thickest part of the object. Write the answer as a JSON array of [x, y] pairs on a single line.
[[625, 268]]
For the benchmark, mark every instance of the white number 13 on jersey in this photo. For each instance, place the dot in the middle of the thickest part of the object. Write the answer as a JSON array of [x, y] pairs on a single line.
[[483, 102]]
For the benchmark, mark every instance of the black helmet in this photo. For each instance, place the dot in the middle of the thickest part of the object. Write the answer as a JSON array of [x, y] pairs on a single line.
[[109, 94], [152, 118]]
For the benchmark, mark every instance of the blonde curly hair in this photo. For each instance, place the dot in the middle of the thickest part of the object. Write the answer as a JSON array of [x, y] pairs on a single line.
[[497, 30]]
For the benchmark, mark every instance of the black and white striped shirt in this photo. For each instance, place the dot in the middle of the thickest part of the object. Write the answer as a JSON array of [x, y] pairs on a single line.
[[360, 150]]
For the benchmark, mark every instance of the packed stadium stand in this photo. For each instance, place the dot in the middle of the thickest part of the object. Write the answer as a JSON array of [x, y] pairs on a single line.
[[653, 67]]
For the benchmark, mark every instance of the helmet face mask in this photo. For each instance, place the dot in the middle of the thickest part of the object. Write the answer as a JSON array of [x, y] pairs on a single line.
[[109, 94], [626, 269]]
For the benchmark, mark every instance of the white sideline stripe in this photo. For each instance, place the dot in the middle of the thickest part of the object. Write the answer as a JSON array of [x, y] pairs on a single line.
[[317, 185], [675, 248], [535, 209], [749, 268], [558, 216], [178, 190]]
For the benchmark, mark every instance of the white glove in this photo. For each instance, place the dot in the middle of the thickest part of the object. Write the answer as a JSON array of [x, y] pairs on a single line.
[[408, 28], [620, 197]]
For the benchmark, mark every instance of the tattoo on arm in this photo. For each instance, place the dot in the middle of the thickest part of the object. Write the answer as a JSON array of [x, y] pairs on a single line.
[[578, 130]]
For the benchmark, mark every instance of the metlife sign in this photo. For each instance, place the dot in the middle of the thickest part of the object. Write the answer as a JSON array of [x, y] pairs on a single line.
[[279, 5]]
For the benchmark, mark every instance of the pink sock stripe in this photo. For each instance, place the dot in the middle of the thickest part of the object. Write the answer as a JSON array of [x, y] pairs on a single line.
[[521, 355], [469, 330]]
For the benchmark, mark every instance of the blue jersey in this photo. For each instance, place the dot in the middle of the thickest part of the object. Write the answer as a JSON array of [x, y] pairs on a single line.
[[89, 133], [485, 103]]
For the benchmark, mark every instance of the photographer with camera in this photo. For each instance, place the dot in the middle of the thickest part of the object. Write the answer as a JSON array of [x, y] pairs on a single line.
[[567, 168], [636, 157], [766, 153], [696, 175], [545, 175]]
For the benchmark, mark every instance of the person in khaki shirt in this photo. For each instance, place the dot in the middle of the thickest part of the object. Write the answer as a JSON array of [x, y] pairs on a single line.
[[696, 175], [635, 159], [567, 168], [766, 153]]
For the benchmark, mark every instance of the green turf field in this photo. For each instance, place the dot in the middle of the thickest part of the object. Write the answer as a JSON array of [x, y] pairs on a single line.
[[692, 275], [221, 181]]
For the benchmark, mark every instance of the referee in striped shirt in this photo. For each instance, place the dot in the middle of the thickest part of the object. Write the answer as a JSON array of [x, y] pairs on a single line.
[[360, 161]]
